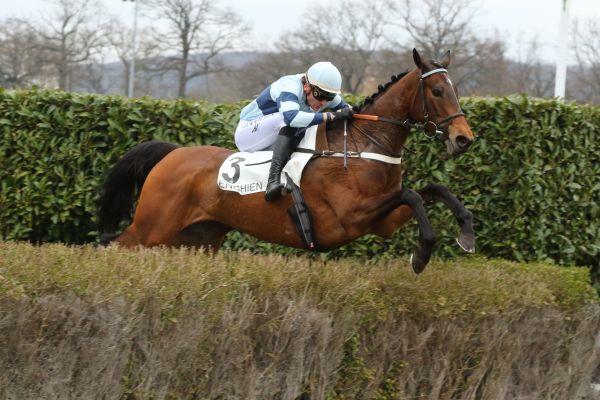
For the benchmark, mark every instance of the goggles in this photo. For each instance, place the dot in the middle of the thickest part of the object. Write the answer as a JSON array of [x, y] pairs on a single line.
[[320, 95]]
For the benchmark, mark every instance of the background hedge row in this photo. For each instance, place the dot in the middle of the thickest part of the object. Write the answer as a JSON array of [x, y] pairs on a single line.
[[531, 178]]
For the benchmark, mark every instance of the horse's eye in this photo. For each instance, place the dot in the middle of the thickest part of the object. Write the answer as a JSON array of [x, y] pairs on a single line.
[[437, 92]]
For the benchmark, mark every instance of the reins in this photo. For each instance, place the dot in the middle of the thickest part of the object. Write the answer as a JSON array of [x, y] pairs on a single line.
[[430, 129]]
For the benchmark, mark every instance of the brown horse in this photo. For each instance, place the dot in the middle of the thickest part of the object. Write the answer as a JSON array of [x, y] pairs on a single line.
[[180, 203]]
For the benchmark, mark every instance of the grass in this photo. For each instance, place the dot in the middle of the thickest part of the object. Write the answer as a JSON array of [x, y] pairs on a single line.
[[465, 286], [86, 322]]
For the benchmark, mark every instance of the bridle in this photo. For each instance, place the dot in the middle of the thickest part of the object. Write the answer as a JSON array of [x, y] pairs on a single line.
[[431, 129]]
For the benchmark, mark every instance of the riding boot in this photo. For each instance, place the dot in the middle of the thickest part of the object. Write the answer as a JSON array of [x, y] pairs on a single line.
[[281, 153]]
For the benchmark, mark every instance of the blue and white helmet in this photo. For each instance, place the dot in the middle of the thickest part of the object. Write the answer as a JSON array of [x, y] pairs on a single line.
[[325, 76]]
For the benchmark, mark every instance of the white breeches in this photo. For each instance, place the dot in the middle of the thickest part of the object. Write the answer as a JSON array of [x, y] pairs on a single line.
[[259, 134]]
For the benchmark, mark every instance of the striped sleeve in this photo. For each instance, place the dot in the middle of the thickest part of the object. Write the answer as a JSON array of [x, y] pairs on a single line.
[[289, 106]]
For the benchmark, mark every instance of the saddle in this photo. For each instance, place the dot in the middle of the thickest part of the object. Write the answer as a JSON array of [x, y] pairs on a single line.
[[247, 173]]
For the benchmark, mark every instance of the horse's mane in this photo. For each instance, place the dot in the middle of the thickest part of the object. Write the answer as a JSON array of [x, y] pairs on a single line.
[[383, 88], [380, 89]]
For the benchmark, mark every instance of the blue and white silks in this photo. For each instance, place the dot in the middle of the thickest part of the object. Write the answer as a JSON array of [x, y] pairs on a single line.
[[281, 103]]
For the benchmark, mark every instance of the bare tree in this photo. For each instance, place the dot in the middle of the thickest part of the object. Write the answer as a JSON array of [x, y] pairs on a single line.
[[197, 33], [435, 26], [91, 77], [19, 56], [241, 82], [263, 69], [587, 53], [70, 36], [146, 53], [345, 33], [528, 74]]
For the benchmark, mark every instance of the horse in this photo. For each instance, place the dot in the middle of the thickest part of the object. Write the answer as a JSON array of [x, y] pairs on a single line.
[[180, 203]]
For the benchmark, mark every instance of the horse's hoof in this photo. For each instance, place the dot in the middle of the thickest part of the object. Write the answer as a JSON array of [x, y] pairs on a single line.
[[466, 242], [417, 264]]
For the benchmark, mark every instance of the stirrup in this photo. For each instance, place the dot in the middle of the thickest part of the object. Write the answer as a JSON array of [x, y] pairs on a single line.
[[274, 192], [284, 190]]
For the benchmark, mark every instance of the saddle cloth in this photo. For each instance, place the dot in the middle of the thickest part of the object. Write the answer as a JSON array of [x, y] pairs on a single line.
[[247, 173]]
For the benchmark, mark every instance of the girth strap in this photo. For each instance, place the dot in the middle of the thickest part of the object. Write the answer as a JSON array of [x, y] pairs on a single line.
[[354, 154]]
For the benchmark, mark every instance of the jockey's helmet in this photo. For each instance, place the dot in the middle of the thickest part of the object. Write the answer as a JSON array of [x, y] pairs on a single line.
[[325, 76]]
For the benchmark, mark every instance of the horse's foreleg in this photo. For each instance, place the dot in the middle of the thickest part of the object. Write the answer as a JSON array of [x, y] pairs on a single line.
[[466, 238], [427, 236], [392, 210]]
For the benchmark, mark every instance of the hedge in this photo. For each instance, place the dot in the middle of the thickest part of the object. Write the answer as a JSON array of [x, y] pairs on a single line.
[[82, 322], [531, 178]]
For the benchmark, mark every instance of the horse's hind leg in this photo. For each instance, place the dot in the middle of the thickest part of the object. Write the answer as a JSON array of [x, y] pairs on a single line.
[[129, 238], [209, 235], [158, 220], [466, 239]]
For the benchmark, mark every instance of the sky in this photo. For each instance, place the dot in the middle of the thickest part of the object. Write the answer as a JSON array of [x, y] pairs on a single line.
[[517, 21]]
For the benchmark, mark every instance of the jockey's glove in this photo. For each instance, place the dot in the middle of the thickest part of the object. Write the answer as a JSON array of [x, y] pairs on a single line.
[[342, 115]]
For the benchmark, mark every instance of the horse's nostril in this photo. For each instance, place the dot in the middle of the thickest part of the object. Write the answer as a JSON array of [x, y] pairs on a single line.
[[463, 142]]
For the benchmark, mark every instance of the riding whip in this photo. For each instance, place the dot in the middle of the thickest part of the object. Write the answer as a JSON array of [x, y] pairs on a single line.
[[345, 144]]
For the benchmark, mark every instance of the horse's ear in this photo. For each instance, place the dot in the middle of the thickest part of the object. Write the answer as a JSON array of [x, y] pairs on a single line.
[[446, 59], [417, 58]]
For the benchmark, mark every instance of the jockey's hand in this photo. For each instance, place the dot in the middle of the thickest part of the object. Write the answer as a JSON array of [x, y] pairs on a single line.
[[343, 115]]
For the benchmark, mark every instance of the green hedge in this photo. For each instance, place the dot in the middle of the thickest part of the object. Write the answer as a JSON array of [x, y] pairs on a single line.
[[55, 148], [531, 178]]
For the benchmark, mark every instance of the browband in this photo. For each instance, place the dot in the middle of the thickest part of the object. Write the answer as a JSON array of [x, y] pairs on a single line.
[[434, 71]]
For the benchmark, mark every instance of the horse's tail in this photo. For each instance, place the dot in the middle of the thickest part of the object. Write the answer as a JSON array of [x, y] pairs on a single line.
[[123, 183]]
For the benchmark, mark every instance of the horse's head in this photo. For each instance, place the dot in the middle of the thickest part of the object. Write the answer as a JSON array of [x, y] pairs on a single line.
[[436, 106]]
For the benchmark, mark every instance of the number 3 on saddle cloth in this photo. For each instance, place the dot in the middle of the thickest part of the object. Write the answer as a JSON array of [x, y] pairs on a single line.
[[247, 173]]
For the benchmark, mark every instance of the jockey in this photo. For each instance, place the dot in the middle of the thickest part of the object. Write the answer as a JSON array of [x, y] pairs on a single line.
[[285, 108]]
